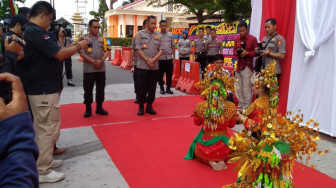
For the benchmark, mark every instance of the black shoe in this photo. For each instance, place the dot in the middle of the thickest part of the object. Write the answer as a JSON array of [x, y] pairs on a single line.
[[101, 111], [162, 92], [88, 111], [141, 111], [70, 84], [169, 91], [150, 110]]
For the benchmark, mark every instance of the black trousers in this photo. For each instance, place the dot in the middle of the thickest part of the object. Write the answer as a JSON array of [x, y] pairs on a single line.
[[146, 80], [90, 79], [135, 80], [166, 66], [201, 58], [68, 68], [210, 59]]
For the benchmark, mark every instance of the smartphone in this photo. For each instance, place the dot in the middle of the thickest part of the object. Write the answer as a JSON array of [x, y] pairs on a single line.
[[6, 91]]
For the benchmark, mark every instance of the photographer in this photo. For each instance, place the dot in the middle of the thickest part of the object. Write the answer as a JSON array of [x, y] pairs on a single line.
[[18, 151], [11, 54], [44, 82], [16, 27], [244, 48]]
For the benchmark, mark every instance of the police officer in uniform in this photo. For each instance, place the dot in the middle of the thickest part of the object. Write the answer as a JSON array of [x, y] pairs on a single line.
[[167, 58], [274, 46], [200, 48], [94, 69], [184, 47], [214, 47], [148, 47], [134, 68]]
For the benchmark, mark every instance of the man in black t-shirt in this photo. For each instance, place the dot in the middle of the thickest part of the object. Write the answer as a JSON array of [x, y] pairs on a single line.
[[43, 55]]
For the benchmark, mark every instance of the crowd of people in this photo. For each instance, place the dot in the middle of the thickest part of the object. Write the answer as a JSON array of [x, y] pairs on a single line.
[[36, 56]]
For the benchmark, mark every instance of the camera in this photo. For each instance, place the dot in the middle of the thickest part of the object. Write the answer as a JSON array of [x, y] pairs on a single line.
[[20, 42], [90, 44], [55, 27], [258, 51], [240, 50], [6, 91]]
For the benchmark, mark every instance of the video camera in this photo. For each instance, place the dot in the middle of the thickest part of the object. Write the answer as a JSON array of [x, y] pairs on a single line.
[[5, 25], [55, 27]]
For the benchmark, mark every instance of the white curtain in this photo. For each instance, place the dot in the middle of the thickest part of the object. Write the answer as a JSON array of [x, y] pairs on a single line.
[[256, 18], [313, 85], [316, 22]]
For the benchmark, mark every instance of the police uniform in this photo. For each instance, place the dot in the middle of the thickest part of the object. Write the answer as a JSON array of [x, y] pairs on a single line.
[[276, 45], [68, 61], [93, 75], [214, 47], [166, 59], [43, 85], [208, 37], [149, 43], [183, 47], [201, 47]]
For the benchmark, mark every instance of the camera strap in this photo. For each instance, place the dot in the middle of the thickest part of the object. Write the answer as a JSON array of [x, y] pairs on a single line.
[[270, 41]]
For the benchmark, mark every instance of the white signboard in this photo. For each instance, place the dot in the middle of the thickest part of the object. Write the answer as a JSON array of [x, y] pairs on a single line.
[[187, 67]]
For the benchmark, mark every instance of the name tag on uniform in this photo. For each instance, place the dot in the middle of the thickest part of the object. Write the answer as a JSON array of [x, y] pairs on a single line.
[[144, 45]]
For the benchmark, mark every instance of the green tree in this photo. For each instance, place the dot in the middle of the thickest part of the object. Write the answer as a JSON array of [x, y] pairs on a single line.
[[127, 2], [202, 9], [100, 15], [5, 8], [235, 9]]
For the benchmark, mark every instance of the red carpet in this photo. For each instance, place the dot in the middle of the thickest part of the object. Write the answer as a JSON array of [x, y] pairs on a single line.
[[125, 111], [150, 154]]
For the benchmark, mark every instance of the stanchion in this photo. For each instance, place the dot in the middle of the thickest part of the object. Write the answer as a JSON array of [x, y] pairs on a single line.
[[195, 77], [117, 58], [126, 63], [176, 72]]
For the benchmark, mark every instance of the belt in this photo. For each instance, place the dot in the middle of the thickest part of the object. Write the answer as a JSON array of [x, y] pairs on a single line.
[[200, 53], [215, 133]]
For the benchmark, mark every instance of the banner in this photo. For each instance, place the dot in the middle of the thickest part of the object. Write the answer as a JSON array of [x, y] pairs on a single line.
[[226, 32]]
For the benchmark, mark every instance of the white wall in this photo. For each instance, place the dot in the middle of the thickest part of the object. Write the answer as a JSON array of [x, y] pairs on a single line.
[[121, 22], [129, 20]]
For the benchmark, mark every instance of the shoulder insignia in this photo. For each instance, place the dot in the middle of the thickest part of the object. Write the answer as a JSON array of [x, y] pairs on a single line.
[[279, 42]]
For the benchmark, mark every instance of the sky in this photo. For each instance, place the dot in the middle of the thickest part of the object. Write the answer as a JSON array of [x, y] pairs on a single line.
[[66, 8]]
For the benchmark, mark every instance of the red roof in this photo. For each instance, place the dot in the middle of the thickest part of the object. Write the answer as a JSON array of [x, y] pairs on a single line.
[[128, 5]]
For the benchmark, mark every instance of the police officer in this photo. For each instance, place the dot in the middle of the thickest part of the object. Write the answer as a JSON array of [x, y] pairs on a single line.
[[148, 47], [208, 33], [44, 56], [134, 68], [215, 46], [167, 58], [184, 47], [68, 64], [274, 46], [200, 48], [94, 69]]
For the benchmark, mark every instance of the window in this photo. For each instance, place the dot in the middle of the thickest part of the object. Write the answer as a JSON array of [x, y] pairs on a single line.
[[121, 33], [170, 8], [129, 31]]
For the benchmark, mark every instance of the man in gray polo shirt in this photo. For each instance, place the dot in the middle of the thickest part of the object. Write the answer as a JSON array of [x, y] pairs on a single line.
[[167, 57], [274, 46], [148, 47], [94, 69]]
